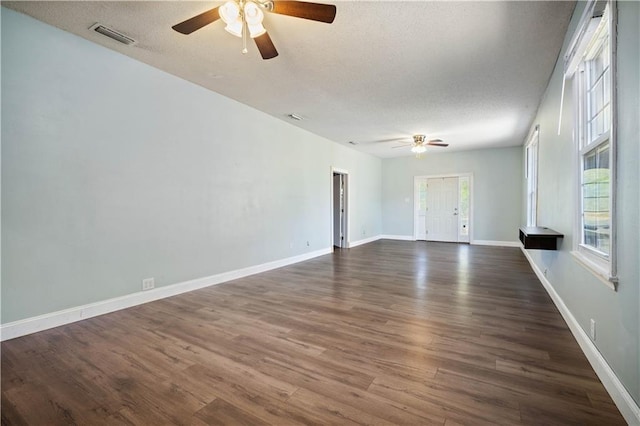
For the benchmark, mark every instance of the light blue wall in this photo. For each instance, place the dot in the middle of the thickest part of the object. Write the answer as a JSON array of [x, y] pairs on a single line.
[[497, 189], [616, 313], [113, 171]]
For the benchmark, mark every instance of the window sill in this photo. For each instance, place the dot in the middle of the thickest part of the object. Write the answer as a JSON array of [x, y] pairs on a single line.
[[596, 269]]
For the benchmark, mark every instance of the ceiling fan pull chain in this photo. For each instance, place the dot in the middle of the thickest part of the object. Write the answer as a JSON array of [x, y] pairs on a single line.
[[244, 34]]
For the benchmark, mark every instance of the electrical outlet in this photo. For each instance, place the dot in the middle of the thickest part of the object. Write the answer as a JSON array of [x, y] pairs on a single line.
[[148, 284], [593, 329]]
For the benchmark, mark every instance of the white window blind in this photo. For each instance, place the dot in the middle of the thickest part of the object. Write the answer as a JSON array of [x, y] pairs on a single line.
[[593, 20]]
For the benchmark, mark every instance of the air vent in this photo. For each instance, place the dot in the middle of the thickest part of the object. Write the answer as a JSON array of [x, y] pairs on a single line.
[[113, 34]]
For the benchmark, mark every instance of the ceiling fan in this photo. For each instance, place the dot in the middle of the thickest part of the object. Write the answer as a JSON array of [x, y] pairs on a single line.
[[420, 143], [242, 16]]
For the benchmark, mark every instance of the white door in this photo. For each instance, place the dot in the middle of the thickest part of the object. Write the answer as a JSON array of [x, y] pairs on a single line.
[[421, 209], [442, 209]]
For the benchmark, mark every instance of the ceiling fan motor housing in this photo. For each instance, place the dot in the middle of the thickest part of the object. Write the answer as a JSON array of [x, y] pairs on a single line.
[[419, 139]]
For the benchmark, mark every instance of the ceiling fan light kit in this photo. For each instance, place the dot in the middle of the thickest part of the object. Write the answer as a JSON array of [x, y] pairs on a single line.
[[230, 14], [241, 16], [251, 13], [418, 149]]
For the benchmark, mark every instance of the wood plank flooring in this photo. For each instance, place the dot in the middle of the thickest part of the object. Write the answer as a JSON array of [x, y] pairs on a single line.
[[391, 332]]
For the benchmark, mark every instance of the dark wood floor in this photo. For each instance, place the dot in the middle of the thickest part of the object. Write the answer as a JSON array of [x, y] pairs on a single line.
[[386, 333]]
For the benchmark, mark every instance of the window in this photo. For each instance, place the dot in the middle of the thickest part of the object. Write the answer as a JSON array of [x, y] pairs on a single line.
[[596, 183], [422, 195], [531, 175], [593, 85], [463, 201], [589, 63]]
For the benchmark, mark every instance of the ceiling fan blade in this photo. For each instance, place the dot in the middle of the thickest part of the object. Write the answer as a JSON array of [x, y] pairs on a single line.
[[402, 146], [437, 142], [265, 46], [197, 22], [385, 141], [300, 9], [407, 140]]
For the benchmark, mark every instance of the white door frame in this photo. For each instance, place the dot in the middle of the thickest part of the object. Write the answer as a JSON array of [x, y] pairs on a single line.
[[416, 200], [345, 173]]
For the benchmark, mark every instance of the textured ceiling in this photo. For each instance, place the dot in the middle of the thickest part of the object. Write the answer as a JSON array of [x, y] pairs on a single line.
[[471, 73]]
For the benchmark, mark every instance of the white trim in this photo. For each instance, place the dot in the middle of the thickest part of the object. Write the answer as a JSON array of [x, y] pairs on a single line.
[[496, 243], [55, 319], [467, 238], [620, 395], [600, 272], [397, 237], [416, 204], [446, 175], [583, 254], [532, 155], [613, 142], [364, 241]]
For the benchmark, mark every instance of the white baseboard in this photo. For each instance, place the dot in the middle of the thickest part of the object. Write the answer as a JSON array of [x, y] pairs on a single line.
[[397, 237], [26, 326], [496, 243], [622, 398], [365, 241]]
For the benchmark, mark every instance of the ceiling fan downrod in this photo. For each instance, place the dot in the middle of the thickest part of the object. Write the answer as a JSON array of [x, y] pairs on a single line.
[[244, 31]]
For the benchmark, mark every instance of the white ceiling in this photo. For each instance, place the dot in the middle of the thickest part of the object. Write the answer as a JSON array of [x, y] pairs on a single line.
[[470, 73]]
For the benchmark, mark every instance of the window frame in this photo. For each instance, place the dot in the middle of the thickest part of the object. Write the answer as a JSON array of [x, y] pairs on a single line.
[[531, 158], [603, 265]]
